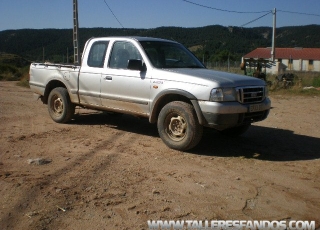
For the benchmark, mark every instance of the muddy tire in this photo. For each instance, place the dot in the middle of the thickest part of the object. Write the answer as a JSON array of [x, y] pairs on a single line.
[[236, 131], [60, 108], [178, 126]]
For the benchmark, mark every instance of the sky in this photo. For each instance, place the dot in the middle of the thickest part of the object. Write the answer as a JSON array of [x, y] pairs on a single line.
[[146, 14]]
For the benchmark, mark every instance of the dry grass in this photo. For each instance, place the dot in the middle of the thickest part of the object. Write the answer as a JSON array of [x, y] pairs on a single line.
[[304, 84], [24, 81]]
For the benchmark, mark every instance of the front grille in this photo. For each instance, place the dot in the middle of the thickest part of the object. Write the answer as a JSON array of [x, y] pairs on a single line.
[[247, 95]]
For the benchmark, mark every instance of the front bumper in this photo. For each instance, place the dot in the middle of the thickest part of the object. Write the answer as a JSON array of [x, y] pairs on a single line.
[[223, 115]]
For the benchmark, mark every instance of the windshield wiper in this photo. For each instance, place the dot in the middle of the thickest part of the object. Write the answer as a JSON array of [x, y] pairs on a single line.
[[194, 66]]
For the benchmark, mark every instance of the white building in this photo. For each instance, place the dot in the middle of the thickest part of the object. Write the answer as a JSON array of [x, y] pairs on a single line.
[[286, 59]]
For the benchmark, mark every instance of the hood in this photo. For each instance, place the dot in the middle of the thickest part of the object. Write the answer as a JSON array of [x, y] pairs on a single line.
[[210, 77]]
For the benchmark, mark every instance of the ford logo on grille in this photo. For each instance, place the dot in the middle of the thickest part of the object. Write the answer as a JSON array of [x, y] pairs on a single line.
[[254, 94]]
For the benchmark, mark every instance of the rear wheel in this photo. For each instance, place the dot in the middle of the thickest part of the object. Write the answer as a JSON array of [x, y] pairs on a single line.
[[60, 108], [178, 126]]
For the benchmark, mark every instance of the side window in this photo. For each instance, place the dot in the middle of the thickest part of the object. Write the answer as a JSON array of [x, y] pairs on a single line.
[[121, 53], [97, 54]]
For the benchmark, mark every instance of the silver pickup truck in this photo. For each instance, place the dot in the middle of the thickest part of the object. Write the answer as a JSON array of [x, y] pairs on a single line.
[[153, 78]]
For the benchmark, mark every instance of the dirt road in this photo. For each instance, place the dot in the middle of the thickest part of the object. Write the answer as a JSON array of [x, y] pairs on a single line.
[[102, 172]]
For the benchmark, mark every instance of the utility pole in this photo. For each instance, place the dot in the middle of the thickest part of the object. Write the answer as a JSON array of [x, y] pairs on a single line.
[[75, 32], [228, 62], [42, 54], [273, 51]]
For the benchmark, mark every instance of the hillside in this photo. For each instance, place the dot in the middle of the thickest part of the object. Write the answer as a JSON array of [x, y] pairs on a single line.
[[215, 42]]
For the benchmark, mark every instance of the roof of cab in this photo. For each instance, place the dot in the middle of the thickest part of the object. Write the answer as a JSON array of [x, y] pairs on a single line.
[[136, 38]]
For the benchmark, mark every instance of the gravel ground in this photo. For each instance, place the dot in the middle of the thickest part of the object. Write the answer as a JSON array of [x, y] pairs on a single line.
[[102, 172]]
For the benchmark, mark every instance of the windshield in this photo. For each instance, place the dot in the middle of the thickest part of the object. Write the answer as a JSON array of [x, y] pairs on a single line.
[[170, 55]]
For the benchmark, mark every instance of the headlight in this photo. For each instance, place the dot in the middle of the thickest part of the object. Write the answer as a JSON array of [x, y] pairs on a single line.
[[223, 94]]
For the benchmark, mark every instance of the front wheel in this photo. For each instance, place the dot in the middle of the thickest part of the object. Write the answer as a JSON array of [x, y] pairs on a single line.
[[178, 126], [60, 108]]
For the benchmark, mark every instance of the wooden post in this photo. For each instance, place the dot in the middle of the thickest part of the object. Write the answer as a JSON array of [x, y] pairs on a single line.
[[273, 52], [75, 32]]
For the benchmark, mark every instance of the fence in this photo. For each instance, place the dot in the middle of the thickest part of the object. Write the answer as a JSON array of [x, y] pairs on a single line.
[[232, 66]]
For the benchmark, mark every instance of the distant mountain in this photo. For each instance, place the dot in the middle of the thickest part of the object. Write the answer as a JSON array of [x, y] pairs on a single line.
[[215, 42]]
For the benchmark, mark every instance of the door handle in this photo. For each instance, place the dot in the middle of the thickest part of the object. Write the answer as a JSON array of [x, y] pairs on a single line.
[[108, 78]]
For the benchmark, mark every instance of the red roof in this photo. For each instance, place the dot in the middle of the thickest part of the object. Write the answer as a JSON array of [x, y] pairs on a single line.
[[286, 53]]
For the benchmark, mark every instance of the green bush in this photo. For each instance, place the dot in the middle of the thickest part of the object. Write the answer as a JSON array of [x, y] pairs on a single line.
[[316, 82], [11, 73], [5, 68]]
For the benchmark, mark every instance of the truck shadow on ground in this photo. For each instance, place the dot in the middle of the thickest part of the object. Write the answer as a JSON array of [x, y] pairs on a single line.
[[261, 143], [122, 122]]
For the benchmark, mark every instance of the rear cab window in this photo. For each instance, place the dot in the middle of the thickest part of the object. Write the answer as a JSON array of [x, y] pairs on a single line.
[[97, 54]]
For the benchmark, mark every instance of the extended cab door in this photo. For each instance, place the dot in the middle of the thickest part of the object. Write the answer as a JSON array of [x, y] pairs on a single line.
[[121, 88], [90, 74]]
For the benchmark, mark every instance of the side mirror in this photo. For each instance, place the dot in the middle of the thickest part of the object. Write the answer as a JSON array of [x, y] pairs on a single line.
[[134, 64]]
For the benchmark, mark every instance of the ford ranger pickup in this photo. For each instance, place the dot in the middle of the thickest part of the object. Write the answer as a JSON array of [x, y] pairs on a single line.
[[153, 78]]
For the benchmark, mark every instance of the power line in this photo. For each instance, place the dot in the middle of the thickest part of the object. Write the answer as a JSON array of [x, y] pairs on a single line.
[[255, 19], [113, 13], [229, 11], [291, 12], [281, 11], [248, 12]]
